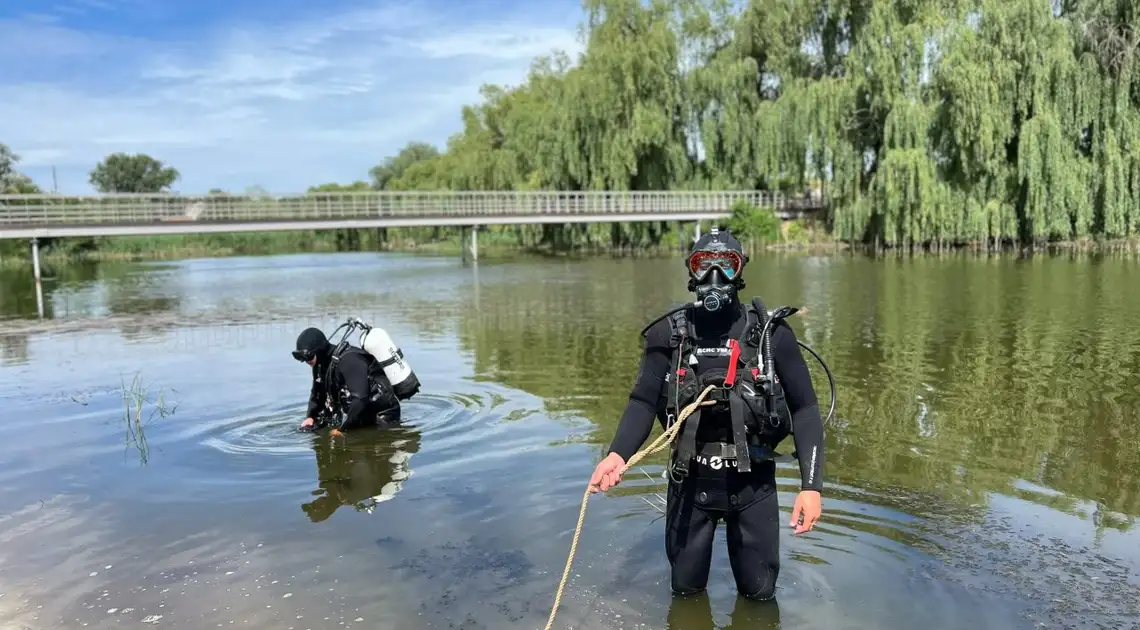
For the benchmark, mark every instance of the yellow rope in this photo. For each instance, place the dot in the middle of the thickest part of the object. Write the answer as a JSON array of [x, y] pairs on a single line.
[[657, 445]]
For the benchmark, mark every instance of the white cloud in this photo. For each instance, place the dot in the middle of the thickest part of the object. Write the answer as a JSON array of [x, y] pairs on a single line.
[[285, 106]]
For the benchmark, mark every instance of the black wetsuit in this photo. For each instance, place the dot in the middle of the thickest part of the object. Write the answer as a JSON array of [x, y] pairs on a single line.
[[355, 374], [746, 501]]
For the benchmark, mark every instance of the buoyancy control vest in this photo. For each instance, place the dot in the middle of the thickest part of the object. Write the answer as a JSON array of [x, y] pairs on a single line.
[[748, 394], [380, 390]]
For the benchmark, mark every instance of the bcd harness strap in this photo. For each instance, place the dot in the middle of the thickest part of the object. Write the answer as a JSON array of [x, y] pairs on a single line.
[[338, 396], [742, 352]]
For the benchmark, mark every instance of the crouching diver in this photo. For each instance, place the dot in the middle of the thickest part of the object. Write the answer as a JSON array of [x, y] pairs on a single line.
[[722, 464], [354, 386]]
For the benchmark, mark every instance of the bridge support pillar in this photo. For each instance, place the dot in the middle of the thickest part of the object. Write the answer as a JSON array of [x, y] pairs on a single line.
[[36, 272], [469, 249], [697, 231]]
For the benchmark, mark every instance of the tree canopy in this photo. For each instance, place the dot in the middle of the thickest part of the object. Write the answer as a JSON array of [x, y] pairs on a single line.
[[139, 173], [925, 121], [13, 182]]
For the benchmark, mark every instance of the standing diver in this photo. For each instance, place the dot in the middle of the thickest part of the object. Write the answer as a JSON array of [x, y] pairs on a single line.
[[721, 465], [353, 386]]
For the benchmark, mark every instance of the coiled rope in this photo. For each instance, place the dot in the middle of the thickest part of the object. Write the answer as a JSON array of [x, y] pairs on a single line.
[[659, 444]]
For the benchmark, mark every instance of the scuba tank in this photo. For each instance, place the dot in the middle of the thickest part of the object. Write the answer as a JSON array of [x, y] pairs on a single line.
[[379, 344]]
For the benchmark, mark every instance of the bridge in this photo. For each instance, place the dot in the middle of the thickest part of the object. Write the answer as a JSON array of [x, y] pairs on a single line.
[[53, 216], [46, 216]]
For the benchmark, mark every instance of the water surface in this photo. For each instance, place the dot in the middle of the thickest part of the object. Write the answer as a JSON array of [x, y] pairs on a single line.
[[983, 470]]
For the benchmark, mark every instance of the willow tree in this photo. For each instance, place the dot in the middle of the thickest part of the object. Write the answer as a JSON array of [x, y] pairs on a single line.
[[1107, 40], [932, 122], [1012, 113]]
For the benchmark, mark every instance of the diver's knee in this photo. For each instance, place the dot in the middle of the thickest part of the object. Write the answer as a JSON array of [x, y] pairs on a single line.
[[759, 590], [682, 591], [759, 586], [765, 594], [687, 580]]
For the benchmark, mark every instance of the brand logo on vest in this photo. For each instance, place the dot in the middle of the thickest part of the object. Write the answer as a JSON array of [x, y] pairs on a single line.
[[715, 462], [715, 351]]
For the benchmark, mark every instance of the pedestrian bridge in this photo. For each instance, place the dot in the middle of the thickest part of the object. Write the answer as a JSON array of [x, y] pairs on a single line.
[[52, 216]]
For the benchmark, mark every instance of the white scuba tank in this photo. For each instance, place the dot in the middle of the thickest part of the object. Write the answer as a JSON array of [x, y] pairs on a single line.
[[375, 341]]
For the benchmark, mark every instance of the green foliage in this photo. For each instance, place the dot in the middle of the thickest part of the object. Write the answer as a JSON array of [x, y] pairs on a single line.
[[750, 222], [357, 186], [797, 233], [12, 182], [395, 166], [925, 123], [140, 173]]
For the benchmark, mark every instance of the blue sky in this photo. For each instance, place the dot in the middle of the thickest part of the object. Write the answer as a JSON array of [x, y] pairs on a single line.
[[281, 94]]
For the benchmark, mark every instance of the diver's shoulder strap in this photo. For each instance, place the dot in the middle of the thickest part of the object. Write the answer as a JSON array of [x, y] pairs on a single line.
[[347, 350], [341, 351], [760, 308], [757, 317], [751, 344], [681, 328], [671, 313]]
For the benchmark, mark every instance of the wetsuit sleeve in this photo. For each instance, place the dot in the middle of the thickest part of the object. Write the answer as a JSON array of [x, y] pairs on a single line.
[[315, 405], [354, 370], [807, 423], [637, 420]]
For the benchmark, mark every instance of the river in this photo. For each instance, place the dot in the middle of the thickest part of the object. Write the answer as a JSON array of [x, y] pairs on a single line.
[[983, 467]]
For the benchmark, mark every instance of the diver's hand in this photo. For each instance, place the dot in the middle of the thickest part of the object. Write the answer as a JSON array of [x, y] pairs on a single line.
[[335, 432], [307, 425], [807, 509], [607, 474]]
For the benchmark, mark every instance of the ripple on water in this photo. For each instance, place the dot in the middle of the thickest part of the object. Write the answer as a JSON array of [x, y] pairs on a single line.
[[867, 538], [258, 452], [267, 436], [270, 431], [274, 431]]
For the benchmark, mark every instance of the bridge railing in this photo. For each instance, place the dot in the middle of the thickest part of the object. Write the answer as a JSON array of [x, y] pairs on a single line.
[[119, 209]]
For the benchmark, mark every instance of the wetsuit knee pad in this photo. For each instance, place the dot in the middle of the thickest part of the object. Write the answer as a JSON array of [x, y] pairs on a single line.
[[766, 592], [682, 591]]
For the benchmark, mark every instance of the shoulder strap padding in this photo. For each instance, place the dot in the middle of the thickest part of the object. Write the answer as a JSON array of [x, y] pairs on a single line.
[[681, 328], [749, 340], [762, 311]]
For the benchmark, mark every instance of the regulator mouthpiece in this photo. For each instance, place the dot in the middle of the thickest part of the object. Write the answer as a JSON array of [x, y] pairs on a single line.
[[712, 298], [713, 302]]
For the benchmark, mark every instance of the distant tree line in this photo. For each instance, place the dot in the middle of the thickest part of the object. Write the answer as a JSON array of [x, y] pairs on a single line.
[[924, 123]]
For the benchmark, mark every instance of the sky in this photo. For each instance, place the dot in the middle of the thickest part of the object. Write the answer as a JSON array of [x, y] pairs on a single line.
[[281, 94]]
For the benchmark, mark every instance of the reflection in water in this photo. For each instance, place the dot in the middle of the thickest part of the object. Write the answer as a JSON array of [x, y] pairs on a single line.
[[695, 613], [982, 468], [63, 288], [955, 377], [362, 469], [14, 349]]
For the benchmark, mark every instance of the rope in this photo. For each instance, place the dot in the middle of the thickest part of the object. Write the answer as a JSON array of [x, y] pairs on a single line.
[[660, 443]]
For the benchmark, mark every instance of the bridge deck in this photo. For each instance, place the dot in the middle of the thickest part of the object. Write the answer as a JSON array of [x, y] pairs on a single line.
[[29, 216]]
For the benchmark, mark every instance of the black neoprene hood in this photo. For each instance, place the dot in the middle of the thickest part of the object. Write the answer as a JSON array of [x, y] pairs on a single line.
[[314, 341]]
